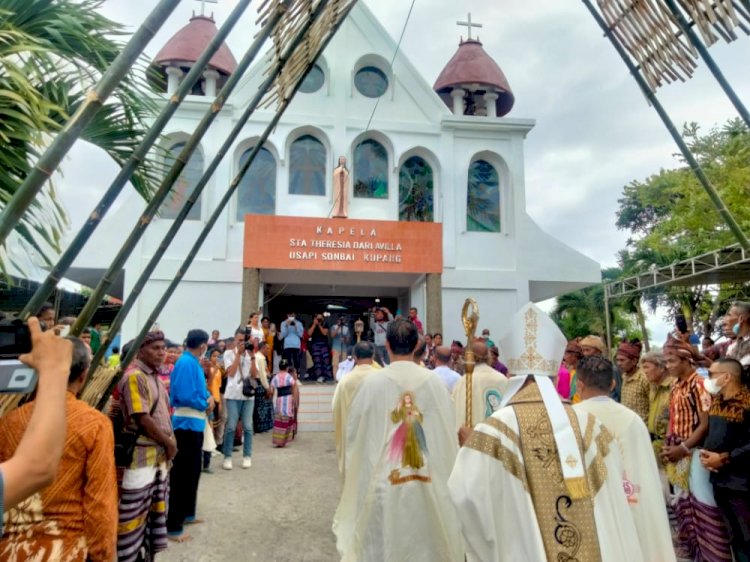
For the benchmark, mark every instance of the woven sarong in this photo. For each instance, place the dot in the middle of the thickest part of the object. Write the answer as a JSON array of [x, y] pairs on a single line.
[[701, 532], [142, 529], [283, 430]]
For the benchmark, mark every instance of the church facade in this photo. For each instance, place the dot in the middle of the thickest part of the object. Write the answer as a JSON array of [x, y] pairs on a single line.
[[435, 195]]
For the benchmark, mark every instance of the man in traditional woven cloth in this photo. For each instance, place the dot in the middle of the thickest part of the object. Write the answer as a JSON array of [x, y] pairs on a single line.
[[701, 533], [635, 386], [144, 403], [538, 480]]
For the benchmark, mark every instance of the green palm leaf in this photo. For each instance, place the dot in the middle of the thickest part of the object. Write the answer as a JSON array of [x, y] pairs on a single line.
[[52, 52]]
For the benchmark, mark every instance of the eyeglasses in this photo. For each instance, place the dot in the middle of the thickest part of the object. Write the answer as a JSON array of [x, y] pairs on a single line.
[[717, 373]]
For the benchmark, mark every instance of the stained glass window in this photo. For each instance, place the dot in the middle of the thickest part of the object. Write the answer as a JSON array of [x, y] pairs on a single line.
[[371, 82], [184, 185], [370, 170], [313, 81], [257, 190], [307, 169], [415, 191], [483, 198]]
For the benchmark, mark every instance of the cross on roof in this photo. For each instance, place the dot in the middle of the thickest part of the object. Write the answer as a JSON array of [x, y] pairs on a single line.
[[203, 5], [469, 24]]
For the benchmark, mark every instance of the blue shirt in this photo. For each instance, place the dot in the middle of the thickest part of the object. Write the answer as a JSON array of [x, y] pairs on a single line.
[[187, 389], [291, 335]]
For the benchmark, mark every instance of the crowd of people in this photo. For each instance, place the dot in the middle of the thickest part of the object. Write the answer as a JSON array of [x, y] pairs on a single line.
[[106, 494], [640, 458], [566, 454]]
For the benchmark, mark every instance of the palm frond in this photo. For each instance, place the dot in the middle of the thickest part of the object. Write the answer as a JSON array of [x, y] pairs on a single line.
[[52, 52]]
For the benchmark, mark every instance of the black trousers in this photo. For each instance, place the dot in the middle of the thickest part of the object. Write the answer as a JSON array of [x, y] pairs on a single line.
[[735, 507], [183, 478], [291, 354]]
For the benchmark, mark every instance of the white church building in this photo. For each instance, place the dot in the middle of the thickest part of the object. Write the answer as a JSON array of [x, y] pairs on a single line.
[[436, 195]]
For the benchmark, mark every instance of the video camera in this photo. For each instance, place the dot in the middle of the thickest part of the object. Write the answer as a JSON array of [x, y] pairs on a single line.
[[15, 340]]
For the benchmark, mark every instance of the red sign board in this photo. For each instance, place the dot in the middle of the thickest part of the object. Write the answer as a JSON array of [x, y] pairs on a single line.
[[280, 242]]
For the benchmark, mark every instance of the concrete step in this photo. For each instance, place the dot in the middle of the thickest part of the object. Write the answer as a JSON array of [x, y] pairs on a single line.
[[315, 413]]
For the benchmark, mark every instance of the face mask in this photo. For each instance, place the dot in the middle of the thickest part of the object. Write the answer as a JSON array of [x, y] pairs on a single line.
[[736, 329], [712, 386]]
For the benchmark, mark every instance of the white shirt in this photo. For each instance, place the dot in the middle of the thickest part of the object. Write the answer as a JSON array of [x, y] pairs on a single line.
[[234, 383], [256, 333], [448, 375]]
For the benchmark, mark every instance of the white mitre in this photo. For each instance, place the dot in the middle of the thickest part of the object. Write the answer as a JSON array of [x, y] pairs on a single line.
[[534, 345]]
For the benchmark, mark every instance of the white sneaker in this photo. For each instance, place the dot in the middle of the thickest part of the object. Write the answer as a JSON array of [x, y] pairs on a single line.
[[227, 464], [247, 462]]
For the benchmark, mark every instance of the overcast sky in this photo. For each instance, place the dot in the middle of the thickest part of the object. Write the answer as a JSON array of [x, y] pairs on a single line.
[[594, 132]]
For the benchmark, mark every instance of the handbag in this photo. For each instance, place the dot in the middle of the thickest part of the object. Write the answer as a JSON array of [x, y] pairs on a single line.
[[125, 439], [249, 387]]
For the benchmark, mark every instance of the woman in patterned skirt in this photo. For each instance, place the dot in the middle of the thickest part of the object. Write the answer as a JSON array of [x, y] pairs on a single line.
[[287, 396]]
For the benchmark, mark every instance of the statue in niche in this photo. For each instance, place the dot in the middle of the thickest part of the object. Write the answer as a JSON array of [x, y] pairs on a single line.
[[341, 190]]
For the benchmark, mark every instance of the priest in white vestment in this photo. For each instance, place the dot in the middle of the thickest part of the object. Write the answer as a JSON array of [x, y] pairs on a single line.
[[537, 480], [345, 391], [488, 388], [641, 476], [400, 448]]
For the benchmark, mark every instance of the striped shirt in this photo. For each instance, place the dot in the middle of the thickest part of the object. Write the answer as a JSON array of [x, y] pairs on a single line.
[[138, 389], [687, 400]]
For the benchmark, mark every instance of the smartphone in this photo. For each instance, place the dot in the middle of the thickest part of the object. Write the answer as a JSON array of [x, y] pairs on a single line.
[[16, 378]]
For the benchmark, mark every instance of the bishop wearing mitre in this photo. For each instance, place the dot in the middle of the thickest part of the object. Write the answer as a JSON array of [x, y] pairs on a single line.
[[400, 447], [538, 480]]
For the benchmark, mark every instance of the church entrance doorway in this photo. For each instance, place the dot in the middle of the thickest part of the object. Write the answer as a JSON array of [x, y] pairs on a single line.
[[348, 309]]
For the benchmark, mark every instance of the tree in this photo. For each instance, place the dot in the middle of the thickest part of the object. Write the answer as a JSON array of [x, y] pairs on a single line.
[[670, 218], [581, 313], [51, 53]]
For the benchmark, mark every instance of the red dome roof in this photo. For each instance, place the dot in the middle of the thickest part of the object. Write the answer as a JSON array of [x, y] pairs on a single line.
[[188, 43], [472, 65]]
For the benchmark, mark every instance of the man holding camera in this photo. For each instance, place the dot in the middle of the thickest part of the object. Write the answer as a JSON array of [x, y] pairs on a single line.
[[380, 319], [238, 363], [341, 340], [80, 505], [291, 336]]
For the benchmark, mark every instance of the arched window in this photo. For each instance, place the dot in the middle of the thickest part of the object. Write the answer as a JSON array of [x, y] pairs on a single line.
[[415, 191], [257, 190], [184, 185], [483, 198], [370, 170], [307, 169]]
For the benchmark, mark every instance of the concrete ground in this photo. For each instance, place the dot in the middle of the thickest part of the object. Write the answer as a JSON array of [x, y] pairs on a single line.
[[280, 510]]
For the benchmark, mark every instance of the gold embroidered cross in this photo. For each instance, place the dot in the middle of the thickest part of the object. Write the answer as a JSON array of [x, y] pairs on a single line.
[[571, 461]]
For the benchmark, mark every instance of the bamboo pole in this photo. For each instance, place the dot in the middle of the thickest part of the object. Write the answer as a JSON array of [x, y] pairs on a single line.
[[470, 321], [709, 188], [127, 170], [95, 98], [185, 209], [170, 179], [709, 60], [224, 200]]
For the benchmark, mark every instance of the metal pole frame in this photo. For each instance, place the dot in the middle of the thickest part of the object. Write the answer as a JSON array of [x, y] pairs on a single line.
[[709, 188], [690, 33]]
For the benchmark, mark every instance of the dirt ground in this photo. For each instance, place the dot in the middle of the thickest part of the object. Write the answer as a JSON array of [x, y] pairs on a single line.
[[280, 510]]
